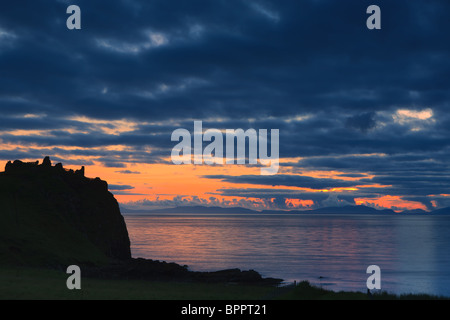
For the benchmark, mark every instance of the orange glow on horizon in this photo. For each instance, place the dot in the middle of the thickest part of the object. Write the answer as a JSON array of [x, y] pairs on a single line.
[[391, 202], [166, 181]]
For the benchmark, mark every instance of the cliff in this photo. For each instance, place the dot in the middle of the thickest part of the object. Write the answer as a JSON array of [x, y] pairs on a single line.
[[53, 216]]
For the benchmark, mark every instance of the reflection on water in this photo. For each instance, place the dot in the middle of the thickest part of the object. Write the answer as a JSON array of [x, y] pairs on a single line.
[[328, 250]]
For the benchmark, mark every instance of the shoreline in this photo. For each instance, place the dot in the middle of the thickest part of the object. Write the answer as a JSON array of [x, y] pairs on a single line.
[[148, 269]]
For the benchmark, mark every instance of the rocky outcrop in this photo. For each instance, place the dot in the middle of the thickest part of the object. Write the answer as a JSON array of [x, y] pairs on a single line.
[[54, 214], [146, 269]]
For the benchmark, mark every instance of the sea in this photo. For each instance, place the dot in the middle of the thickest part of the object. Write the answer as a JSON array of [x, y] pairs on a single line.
[[329, 250]]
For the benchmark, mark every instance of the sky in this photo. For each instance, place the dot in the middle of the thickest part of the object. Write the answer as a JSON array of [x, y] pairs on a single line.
[[362, 114]]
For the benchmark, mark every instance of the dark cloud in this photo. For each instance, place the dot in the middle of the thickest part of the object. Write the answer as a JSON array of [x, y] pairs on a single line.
[[227, 55], [351, 175], [287, 180], [119, 187], [127, 172], [362, 122]]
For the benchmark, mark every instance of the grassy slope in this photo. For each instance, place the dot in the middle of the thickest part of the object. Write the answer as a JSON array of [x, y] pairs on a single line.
[[26, 283]]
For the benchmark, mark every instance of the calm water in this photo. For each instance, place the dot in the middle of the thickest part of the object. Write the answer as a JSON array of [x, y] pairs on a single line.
[[412, 252]]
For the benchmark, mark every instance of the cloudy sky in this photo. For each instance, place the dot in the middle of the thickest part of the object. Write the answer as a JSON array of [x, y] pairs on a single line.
[[363, 114]]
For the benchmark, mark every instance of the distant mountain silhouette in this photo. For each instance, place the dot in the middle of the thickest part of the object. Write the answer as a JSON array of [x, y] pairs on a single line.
[[360, 209], [415, 211], [356, 209], [442, 211], [193, 210]]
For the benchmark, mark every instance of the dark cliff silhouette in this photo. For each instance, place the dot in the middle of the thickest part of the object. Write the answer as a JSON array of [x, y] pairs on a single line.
[[52, 214], [54, 217]]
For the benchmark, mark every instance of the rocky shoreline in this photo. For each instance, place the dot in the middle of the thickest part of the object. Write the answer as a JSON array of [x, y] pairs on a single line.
[[154, 270]]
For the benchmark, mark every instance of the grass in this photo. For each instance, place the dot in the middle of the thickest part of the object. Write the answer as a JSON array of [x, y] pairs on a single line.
[[33, 284], [305, 291], [18, 283]]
